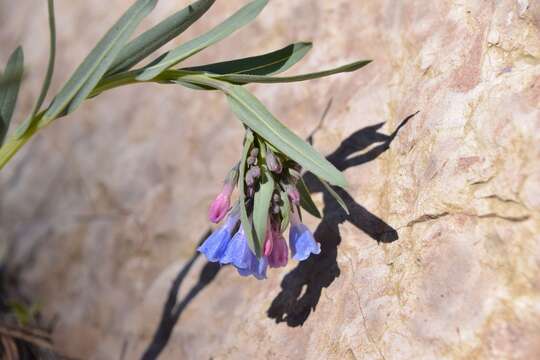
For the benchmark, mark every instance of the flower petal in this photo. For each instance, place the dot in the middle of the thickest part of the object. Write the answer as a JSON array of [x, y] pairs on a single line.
[[302, 242], [215, 245], [257, 268], [280, 253], [221, 204], [237, 252]]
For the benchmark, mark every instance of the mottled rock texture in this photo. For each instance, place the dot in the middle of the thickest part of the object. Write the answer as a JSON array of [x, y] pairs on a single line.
[[439, 259]]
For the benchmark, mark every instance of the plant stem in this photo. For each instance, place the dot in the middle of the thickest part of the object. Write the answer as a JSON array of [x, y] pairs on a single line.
[[14, 143]]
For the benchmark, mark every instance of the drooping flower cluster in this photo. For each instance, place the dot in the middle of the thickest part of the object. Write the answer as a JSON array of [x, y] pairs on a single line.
[[230, 244]]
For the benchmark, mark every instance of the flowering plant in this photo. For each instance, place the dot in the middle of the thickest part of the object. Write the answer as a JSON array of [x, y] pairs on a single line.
[[271, 192], [268, 175]]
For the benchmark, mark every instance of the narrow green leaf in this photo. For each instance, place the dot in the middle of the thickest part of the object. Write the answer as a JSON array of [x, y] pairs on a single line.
[[255, 115], [107, 61], [246, 222], [267, 64], [3, 129], [94, 66], [305, 199], [335, 195], [4, 81], [226, 28], [9, 89], [285, 210], [52, 57], [248, 78], [48, 76], [151, 40], [21, 311], [193, 86], [261, 206]]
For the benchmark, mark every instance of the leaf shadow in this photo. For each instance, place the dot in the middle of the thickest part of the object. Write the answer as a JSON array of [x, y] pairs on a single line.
[[173, 307], [301, 288]]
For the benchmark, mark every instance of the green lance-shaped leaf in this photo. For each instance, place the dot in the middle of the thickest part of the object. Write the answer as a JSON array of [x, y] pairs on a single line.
[[151, 40], [267, 64], [3, 129], [254, 115], [48, 76], [271, 63], [52, 57], [10, 83], [96, 64], [244, 217], [261, 205], [239, 19], [248, 78], [193, 86], [285, 210], [335, 195], [305, 199]]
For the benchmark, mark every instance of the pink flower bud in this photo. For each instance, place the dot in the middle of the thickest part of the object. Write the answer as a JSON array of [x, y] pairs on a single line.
[[293, 193], [268, 244], [269, 241], [221, 204], [273, 162]]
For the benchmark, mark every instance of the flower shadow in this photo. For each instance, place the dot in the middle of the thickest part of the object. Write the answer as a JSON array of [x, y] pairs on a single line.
[[302, 287], [173, 308]]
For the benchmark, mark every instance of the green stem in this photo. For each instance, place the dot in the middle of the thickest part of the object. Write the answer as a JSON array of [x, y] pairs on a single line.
[[125, 78], [14, 143], [130, 77], [52, 57]]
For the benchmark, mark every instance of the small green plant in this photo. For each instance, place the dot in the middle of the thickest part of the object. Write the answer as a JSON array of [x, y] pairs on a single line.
[[23, 313], [267, 192]]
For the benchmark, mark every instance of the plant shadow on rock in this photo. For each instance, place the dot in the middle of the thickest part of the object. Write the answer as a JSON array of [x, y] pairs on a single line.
[[315, 273], [174, 308], [301, 288]]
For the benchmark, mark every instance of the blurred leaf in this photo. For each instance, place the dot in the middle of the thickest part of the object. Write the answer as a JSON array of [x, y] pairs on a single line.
[[96, 64], [246, 222], [52, 57], [335, 195], [305, 199], [9, 89], [247, 78], [285, 210], [272, 63], [262, 200], [21, 312], [3, 129], [233, 23], [4, 81], [151, 40]]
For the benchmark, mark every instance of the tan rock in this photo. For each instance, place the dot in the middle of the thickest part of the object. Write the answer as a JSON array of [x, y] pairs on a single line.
[[102, 210]]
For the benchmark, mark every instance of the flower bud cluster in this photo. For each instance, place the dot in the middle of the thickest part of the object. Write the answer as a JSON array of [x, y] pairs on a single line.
[[229, 244]]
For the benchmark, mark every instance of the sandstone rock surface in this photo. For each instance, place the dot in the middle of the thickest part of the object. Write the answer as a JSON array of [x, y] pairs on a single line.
[[440, 258]]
